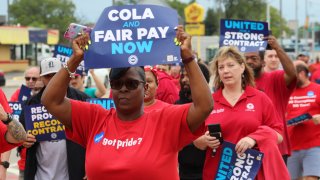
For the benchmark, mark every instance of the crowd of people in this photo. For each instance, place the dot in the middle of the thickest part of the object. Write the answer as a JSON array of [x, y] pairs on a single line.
[[159, 128]]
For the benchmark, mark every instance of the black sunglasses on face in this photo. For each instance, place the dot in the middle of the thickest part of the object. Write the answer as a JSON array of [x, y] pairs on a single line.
[[31, 78], [130, 84]]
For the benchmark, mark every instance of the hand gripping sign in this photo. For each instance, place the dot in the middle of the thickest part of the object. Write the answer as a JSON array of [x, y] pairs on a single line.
[[244, 34], [133, 35], [236, 166]]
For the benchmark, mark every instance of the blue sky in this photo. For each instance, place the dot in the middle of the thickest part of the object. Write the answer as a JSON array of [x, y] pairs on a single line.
[[90, 10]]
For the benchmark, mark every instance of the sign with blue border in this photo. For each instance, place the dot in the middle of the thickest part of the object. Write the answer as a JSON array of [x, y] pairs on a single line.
[[244, 34], [133, 35], [236, 166]]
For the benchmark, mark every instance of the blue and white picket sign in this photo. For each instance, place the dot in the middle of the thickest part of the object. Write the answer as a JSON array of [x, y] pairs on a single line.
[[63, 53], [24, 94], [16, 108], [244, 34], [133, 35], [106, 103], [40, 123], [236, 166]]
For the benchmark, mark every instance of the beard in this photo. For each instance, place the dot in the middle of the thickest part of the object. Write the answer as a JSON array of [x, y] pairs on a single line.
[[185, 93], [299, 83], [256, 70]]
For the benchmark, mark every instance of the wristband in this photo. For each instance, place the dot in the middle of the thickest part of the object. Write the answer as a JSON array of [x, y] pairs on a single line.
[[188, 60], [9, 119], [71, 74]]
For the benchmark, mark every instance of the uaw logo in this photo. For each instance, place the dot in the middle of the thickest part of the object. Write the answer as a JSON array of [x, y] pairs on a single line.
[[51, 64], [310, 93], [133, 59], [250, 107], [98, 137]]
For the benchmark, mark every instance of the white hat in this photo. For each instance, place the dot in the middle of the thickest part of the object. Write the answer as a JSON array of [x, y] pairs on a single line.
[[49, 66]]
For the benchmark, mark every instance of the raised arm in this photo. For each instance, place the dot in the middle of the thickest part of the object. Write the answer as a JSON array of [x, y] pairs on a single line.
[[53, 98], [202, 100], [287, 64], [101, 89]]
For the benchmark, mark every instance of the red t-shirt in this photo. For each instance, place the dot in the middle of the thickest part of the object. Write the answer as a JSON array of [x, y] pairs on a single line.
[[252, 110], [306, 134], [15, 96], [146, 148], [167, 91], [274, 85], [157, 105], [4, 145]]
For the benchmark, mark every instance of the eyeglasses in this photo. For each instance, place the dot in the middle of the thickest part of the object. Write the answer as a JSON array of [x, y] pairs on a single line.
[[31, 78], [131, 84]]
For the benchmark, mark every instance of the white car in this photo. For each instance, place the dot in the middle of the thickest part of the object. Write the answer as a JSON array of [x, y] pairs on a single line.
[[102, 74]]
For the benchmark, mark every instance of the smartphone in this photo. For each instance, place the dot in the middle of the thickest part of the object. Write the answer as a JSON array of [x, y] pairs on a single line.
[[215, 131], [299, 119], [74, 29]]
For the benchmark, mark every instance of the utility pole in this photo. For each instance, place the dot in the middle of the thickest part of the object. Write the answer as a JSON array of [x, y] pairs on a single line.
[[8, 12], [281, 25], [268, 15]]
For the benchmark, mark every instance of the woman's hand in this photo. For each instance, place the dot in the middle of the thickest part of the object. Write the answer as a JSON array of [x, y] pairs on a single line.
[[244, 144], [185, 40], [79, 45]]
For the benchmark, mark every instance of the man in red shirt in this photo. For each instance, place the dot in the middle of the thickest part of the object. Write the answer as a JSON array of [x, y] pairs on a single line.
[[304, 137], [278, 85]]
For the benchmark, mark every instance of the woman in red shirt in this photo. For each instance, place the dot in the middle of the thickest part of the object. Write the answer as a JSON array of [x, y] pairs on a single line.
[[126, 142], [245, 114]]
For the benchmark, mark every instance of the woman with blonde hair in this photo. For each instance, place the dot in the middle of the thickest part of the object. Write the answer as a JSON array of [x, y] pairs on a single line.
[[246, 116]]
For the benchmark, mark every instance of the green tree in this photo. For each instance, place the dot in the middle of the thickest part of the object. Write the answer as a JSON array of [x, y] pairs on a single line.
[[212, 21], [179, 6], [57, 14]]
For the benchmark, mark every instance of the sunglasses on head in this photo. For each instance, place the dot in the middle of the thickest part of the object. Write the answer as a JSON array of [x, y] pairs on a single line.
[[31, 78], [131, 84]]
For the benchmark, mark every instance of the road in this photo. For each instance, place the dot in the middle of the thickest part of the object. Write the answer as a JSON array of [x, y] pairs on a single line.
[[13, 81]]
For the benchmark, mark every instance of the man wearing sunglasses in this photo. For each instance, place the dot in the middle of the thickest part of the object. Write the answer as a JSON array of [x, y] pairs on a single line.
[[60, 159], [31, 76]]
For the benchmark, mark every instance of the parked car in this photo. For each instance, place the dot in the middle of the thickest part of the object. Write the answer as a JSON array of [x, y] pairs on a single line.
[[2, 78], [102, 74]]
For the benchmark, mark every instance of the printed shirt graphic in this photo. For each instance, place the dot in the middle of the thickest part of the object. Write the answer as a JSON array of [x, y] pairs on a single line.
[[239, 121], [304, 100], [143, 148]]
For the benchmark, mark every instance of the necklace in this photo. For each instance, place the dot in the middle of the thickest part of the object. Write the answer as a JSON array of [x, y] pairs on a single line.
[[230, 98]]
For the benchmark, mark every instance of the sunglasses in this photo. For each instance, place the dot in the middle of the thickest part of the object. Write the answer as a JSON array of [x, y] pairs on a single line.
[[31, 78], [130, 84]]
